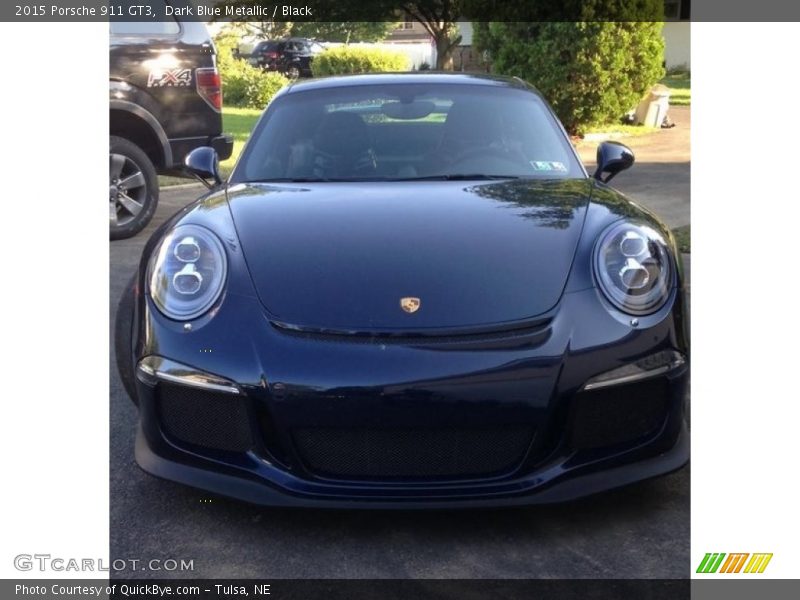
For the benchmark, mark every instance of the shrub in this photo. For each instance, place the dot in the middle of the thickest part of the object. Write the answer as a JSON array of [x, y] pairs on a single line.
[[591, 72], [242, 84], [343, 60], [249, 87]]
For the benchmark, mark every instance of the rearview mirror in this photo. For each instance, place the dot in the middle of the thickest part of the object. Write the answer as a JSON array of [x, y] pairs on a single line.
[[612, 158], [408, 111], [203, 164]]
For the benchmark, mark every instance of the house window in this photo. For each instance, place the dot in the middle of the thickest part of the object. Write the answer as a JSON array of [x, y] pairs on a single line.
[[408, 23]]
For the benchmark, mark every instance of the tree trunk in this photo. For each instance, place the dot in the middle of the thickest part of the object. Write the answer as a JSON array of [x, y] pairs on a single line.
[[444, 51]]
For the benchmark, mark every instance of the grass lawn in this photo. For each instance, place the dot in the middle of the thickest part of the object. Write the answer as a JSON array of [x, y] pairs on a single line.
[[239, 122], [620, 130], [681, 86], [683, 237]]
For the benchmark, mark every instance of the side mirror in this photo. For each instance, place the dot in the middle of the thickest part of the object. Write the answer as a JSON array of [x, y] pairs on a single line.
[[612, 157], [203, 164]]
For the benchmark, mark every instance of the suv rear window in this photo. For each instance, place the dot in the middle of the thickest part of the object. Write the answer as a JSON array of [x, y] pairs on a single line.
[[142, 28], [266, 46]]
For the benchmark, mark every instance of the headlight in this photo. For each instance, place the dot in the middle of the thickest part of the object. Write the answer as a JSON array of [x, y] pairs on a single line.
[[187, 273], [633, 267]]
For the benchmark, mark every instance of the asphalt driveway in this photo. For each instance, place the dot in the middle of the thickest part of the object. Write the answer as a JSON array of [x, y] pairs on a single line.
[[638, 532], [660, 177]]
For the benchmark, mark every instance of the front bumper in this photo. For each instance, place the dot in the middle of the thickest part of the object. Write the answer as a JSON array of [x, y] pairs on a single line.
[[528, 491], [290, 382]]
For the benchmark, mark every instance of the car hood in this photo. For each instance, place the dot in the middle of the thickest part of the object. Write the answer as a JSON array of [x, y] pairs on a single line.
[[341, 256]]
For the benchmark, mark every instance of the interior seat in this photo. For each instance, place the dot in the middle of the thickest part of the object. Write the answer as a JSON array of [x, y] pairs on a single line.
[[342, 147]]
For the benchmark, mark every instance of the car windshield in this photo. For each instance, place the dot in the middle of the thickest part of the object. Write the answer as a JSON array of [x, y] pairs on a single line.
[[407, 132]]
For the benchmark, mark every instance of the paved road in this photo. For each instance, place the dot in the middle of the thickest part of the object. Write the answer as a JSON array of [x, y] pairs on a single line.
[[660, 177], [641, 531]]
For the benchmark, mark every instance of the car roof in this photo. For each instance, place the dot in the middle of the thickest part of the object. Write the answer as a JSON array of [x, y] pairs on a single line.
[[342, 81], [289, 39]]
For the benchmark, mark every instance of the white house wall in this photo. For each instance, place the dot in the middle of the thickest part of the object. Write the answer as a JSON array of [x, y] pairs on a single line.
[[677, 44]]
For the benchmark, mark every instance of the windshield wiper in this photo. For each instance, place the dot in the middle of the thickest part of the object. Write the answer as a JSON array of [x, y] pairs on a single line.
[[458, 177], [318, 179], [450, 177]]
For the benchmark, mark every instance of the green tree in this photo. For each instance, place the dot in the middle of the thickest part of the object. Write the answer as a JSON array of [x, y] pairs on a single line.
[[439, 18], [344, 31], [531, 11], [264, 29], [242, 84], [591, 72]]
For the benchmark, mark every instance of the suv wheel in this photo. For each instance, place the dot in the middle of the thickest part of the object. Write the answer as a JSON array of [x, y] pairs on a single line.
[[133, 188], [292, 73]]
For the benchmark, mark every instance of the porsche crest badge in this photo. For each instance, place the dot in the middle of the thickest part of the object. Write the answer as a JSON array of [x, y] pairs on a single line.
[[410, 304]]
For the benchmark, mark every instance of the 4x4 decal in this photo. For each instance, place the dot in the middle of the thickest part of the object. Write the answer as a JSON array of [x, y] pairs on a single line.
[[169, 78]]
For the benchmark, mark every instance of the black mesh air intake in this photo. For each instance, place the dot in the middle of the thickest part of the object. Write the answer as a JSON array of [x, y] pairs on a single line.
[[413, 453], [204, 418], [618, 414]]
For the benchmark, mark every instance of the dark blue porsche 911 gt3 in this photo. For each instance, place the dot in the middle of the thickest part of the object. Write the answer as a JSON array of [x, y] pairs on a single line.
[[409, 293]]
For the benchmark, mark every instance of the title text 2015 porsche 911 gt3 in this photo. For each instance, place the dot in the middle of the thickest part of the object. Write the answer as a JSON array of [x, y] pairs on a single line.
[[409, 293]]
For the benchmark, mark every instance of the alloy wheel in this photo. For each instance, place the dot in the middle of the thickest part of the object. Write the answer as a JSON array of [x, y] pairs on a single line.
[[127, 190]]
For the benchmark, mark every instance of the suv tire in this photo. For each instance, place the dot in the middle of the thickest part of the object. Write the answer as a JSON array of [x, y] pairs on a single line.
[[133, 188]]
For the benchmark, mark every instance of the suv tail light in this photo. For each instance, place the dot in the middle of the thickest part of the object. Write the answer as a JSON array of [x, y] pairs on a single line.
[[209, 86], [271, 54]]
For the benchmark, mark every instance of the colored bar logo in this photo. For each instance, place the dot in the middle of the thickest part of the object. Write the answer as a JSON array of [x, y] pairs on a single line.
[[734, 563]]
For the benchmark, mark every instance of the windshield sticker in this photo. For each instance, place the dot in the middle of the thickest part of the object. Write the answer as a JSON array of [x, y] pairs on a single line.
[[548, 165]]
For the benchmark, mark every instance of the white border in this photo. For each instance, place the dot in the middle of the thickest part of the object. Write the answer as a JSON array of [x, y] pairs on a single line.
[[745, 213], [54, 302], [745, 313]]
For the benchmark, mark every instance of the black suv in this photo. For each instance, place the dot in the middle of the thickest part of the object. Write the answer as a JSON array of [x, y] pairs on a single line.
[[292, 56], [165, 100]]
